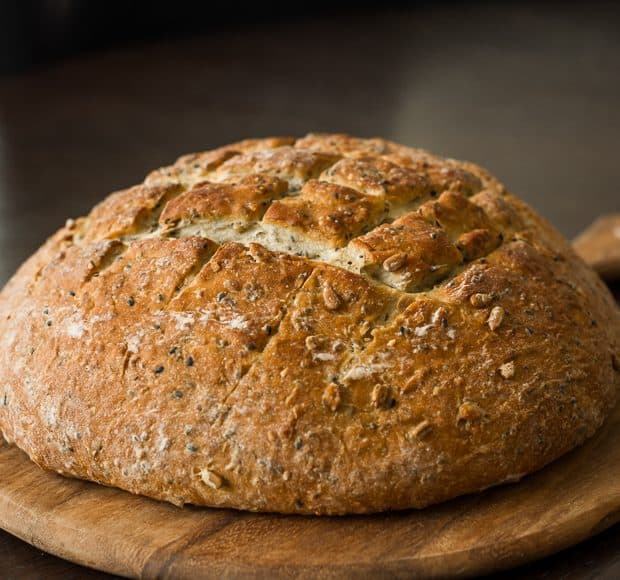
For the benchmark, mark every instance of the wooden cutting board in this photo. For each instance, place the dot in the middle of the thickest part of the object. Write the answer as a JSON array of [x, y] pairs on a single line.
[[111, 530]]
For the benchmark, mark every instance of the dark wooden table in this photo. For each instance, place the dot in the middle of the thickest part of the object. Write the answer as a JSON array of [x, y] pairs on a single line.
[[530, 91]]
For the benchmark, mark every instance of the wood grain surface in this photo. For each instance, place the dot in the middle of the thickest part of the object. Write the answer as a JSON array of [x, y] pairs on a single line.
[[599, 245]]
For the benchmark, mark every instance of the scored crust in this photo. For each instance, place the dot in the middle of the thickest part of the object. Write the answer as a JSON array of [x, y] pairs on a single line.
[[324, 325]]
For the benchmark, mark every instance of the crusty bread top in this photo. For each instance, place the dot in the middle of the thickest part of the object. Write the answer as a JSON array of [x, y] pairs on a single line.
[[321, 325]]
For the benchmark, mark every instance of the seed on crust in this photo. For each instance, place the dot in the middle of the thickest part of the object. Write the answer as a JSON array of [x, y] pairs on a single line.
[[507, 370], [495, 317], [331, 397], [313, 342], [330, 298], [381, 397], [415, 379], [211, 478], [478, 300], [420, 431], [469, 411], [394, 262]]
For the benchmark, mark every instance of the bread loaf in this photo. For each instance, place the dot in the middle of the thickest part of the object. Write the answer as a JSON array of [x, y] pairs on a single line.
[[325, 325]]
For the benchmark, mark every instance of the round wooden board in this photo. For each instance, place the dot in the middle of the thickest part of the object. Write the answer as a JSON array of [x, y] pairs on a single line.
[[115, 531]]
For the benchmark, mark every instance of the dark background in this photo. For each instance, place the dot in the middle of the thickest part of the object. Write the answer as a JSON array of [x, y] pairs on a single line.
[[36, 32], [94, 94]]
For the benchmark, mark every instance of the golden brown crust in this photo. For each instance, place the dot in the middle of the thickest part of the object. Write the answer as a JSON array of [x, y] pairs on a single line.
[[409, 254], [405, 332], [331, 213], [294, 165], [376, 176], [129, 212], [247, 199]]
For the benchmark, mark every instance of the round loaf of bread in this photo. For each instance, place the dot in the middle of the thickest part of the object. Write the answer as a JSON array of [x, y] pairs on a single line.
[[321, 325]]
